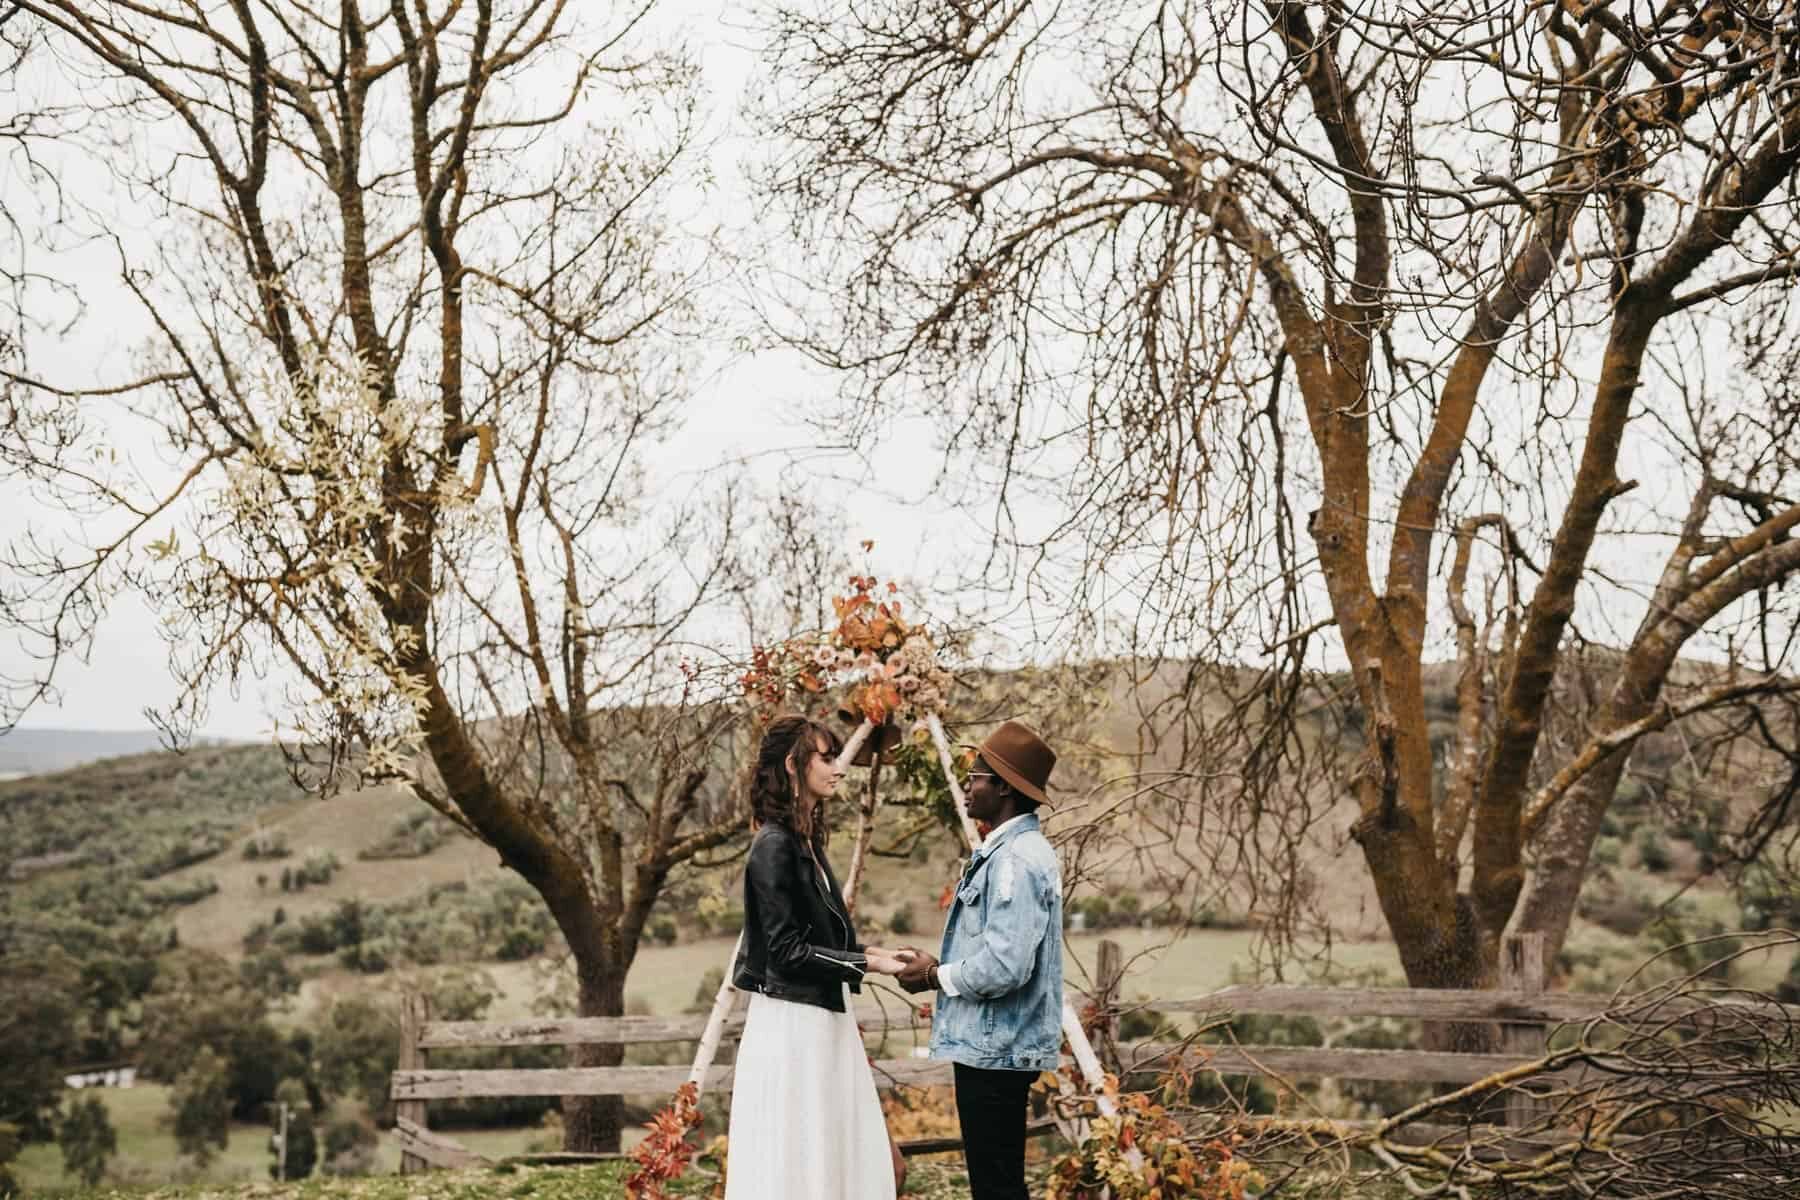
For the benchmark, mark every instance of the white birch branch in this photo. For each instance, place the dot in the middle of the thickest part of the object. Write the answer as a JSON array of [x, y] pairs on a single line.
[[938, 738], [715, 1023]]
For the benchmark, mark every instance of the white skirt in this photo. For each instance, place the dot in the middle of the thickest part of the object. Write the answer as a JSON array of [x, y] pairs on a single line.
[[805, 1121]]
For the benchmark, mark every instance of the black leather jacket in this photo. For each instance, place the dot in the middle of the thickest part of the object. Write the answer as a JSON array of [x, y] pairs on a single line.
[[798, 944]]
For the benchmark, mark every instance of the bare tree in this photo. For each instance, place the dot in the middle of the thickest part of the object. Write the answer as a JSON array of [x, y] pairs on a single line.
[[1265, 295], [419, 309]]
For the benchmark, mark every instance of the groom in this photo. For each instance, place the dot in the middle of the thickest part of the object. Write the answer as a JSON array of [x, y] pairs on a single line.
[[998, 1017]]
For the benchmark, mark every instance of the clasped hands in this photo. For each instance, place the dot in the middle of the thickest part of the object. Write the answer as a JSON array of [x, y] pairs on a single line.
[[913, 969]]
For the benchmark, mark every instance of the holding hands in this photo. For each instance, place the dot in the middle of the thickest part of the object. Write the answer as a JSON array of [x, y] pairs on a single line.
[[884, 962], [919, 973], [913, 969]]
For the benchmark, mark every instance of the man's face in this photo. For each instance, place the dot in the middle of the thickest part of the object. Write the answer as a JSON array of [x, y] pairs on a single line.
[[986, 794]]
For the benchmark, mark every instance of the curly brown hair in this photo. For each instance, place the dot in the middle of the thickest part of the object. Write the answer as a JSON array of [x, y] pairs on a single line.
[[790, 742]]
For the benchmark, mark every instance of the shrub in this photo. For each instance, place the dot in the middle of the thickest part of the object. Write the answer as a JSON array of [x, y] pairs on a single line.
[[1624, 910], [201, 1106], [1096, 912], [317, 935], [356, 1048], [716, 914], [1678, 932], [302, 1149], [519, 942], [177, 895], [267, 971], [317, 867], [1767, 899], [1142, 1024], [350, 1145], [1653, 851], [40, 1014], [415, 835], [88, 1140], [182, 851], [1208, 917], [371, 957], [663, 931], [901, 921], [266, 844]]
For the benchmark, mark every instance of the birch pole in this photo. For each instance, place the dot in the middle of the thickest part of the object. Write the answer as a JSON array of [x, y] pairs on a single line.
[[710, 1037], [971, 837], [1085, 1058], [865, 834], [726, 1000]]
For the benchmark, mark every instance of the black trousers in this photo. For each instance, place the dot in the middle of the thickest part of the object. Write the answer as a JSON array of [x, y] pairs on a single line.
[[991, 1108]]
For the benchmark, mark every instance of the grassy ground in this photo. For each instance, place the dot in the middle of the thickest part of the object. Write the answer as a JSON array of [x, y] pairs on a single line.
[[926, 1181], [147, 1155]]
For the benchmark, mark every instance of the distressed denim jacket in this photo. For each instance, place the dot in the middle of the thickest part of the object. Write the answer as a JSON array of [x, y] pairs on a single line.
[[1001, 998]]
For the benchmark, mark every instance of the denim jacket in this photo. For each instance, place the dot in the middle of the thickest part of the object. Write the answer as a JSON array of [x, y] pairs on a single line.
[[1001, 998]]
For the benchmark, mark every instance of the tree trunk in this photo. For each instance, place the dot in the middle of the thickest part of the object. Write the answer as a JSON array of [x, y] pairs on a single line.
[[594, 1124], [1564, 847], [1435, 928]]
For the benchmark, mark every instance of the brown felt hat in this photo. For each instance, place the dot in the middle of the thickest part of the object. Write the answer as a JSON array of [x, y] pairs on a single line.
[[1019, 756]]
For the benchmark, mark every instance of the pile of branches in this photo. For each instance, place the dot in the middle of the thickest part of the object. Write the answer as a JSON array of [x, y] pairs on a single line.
[[1688, 1087]]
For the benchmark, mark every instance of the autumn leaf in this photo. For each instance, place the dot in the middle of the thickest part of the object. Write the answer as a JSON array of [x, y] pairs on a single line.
[[164, 547]]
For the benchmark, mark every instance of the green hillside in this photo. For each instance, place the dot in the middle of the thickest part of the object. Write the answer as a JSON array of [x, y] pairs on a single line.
[[328, 909]]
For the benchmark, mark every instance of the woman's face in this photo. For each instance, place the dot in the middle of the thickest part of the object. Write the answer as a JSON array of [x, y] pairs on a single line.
[[822, 773]]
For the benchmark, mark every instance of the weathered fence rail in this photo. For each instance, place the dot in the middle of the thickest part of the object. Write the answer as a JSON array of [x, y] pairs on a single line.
[[1521, 1008]]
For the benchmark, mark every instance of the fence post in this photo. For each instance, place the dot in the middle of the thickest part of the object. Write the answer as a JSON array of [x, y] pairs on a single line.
[[1522, 970], [1109, 972], [415, 1010]]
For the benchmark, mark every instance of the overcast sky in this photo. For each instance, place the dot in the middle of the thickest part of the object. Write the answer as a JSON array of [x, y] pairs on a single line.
[[748, 408]]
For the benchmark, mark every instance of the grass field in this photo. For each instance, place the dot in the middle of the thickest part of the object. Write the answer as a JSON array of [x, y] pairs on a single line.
[[148, 1157], [925, 1181]]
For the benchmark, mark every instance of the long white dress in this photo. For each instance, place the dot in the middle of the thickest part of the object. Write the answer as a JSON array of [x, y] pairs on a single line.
[[805, 1120]]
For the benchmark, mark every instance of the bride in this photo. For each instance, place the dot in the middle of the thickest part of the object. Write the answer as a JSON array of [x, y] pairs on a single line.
[[805, 1120]]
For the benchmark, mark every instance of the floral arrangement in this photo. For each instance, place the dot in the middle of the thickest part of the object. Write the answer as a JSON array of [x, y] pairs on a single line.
[[891, 664], [665, 1153], [1169, 1165]]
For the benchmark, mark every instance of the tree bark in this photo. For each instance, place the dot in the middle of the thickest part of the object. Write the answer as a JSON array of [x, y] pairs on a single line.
[[595, 1124]]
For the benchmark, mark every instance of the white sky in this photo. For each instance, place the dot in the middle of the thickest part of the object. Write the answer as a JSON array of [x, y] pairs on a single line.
[[749, 408]]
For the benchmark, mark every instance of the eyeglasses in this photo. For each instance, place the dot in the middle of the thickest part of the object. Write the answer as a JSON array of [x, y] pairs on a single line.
[[982, 775]]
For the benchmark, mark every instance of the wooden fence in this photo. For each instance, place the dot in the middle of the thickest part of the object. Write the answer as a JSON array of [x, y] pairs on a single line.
[[1520, 1006]]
